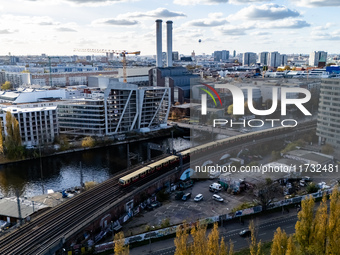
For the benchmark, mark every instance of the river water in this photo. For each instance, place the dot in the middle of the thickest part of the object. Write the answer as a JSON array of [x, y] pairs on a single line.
[[64, 171]]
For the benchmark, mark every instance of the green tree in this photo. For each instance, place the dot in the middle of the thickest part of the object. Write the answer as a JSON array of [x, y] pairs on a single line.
[[304, 225], [312, 187], [119, 244], [6, 86]]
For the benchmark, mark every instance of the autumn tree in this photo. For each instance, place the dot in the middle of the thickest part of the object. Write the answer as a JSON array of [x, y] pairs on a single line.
[[304, 225], [212, 243], [291, 247], [6, 86], [119, 244], [13, 138], [254, 247], [280, 242], [333, 226], [181, 240], [327, 149], [88, 142], [199, 239]]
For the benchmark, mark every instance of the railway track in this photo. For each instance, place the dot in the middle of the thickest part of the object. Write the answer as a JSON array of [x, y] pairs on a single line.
[[52, 226]]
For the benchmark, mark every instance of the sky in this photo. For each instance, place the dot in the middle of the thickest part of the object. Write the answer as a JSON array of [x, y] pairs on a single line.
[[57, 27]]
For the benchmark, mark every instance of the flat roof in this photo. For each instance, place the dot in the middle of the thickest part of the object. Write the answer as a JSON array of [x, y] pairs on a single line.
[[9, 207]]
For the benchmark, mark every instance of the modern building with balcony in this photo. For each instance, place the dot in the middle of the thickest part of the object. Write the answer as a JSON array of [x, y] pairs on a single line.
[[123, 107]]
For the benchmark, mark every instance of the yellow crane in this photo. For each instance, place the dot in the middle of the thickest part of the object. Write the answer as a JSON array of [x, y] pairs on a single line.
[[121, 53]]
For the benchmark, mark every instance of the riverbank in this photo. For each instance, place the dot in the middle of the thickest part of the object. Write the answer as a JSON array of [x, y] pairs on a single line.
[[76, 146]]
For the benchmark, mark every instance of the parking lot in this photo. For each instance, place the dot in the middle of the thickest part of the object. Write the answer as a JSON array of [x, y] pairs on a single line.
[[178, 211]]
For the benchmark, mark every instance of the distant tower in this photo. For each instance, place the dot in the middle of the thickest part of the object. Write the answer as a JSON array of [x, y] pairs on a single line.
[[234, 54], [193, 54]]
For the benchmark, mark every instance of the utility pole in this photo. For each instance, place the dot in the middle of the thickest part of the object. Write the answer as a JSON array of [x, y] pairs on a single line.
[[81, 175], [128, 157], [19, 209], [172, 142]]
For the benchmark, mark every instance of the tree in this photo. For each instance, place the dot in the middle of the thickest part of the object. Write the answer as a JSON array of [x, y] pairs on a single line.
[[333, 227], [6, 86], [304, 225], [119, 244], [199, 240], [280, 240], [88, 142], [291, 247], [254, 247], [181, 240], [212, 243], [13, 138], [311, 187], [1, 139], [327, 149], [267, 191], [286, 67], [319, 237], [230, 109]]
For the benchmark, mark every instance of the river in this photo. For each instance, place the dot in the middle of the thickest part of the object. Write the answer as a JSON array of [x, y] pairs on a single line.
[[65, 171]]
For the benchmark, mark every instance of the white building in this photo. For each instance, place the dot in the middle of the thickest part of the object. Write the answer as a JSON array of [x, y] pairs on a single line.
[[123, 107]]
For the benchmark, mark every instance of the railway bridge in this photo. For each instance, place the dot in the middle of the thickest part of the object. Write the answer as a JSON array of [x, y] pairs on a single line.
[[56, 228]]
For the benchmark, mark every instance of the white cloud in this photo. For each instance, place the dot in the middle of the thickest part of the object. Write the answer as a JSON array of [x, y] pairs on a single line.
[[157, 13], [7, 31], [82, 2], [264, 12], [325, 27], [65, 29], [116, 22], [287, 24], [211, 2], [332, 36], [316, 3], [235, 29], [213, 21]]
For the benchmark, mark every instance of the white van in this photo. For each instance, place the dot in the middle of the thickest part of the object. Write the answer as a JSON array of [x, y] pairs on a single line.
[[215, 186]]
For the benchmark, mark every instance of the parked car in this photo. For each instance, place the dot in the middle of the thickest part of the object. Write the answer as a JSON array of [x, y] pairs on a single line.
[[148, 207], [217, 198], [215, 186], [199, 197], [186, 196], [179, 195], [245, 233], [156, 204]]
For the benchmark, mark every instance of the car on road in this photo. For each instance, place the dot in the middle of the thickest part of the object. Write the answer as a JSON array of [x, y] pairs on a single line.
[[217, 198], [186, 196], [156, 204], [245, 233], [198, 198], [179, 195]]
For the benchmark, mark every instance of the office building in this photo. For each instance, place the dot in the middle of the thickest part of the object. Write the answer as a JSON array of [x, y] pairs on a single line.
[[274, 59], [249, 58], [221, 56], [318, 58], [263, 58]]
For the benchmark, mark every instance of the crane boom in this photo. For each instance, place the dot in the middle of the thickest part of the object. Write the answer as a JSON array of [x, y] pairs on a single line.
[[121, 53]]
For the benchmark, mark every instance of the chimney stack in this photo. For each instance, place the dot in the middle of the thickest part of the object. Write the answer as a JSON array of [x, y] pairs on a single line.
[[169, 42], [159, 43]]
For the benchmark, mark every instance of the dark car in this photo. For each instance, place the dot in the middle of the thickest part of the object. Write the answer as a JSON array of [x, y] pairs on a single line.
[[245, 233], [179, 195], [149, 207], [186, 196]]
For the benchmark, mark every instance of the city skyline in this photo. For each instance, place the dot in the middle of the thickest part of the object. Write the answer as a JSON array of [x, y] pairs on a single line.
[[59, 26]]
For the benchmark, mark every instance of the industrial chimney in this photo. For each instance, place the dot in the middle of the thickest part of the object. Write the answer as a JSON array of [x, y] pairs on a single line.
[[159, 43], [169, 42]]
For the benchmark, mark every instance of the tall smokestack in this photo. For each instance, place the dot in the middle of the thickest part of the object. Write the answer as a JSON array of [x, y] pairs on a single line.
[[159, 43], [169, 42]]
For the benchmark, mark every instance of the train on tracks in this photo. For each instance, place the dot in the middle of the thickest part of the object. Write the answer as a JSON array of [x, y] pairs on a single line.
[[174, 160]]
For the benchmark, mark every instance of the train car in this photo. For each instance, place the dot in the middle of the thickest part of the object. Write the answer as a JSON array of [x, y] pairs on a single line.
[[134, 176]]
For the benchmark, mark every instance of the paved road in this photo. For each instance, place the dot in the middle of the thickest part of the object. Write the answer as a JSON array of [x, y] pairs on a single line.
[[265, 231]]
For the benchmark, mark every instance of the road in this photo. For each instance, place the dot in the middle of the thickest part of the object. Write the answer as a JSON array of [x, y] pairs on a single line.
[[264, 230]]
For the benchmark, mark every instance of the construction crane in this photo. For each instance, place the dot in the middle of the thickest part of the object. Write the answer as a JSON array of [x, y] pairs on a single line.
[[121, 53]]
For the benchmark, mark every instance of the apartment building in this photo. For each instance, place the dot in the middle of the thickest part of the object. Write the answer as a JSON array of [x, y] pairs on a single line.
[[328, 126]]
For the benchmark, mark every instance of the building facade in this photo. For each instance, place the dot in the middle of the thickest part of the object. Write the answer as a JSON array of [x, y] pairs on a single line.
[[249, 58], [328, 126], [274, 59], [263, 58], [124, 107], [318, 58]]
